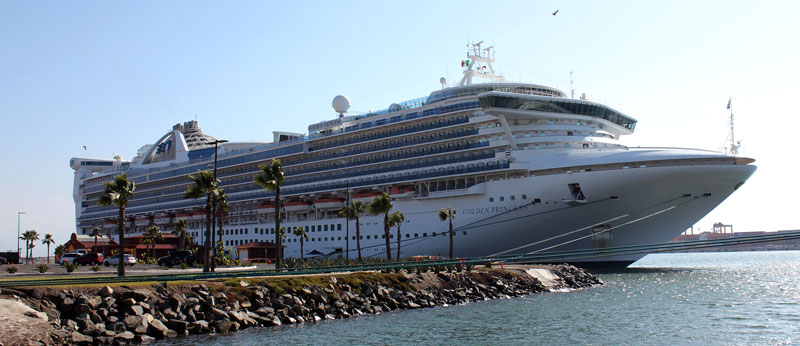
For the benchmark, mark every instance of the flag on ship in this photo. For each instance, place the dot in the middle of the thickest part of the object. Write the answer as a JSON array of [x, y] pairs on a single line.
[[729, 103]]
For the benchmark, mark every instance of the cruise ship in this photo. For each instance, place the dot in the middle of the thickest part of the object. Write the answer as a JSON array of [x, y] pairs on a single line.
[[526, 168]]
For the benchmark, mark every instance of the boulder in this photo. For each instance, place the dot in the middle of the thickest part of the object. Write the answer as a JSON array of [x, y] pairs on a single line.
[[222, 326], [105, 291], [124, 336], [80, 339], [178, 325]]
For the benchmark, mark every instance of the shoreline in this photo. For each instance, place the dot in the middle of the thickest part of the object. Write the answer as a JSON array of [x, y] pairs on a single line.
[[142, 314]]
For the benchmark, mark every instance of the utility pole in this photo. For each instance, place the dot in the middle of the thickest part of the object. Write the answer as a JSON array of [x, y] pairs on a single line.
[[214, 209], [18, 235]]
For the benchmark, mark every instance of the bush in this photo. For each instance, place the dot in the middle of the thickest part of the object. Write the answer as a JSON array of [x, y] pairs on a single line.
[[95, 268], [43, 268], [184, 265], [70, 267], [12, 269]]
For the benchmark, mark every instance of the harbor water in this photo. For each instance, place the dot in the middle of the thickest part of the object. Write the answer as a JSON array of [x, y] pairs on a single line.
[[733, 298]]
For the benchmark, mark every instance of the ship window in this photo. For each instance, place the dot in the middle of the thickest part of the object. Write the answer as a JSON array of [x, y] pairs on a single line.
[[537, 201], [306, 228], [491, 199], [465, 232], [340, 238], [408, 235], [416, 235], [433, 234], [502, 198], [424, 235], [339, 228], [313, 228], [524, 196]]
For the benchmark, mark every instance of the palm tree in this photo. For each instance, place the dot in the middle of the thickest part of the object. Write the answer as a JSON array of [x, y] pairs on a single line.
[[59, 251], [396, 219], [301, 232], [448, 214], [153, 234], [25, 236], [48, 239], [118, 192], [222, 208], [180, 231], [95, 233], [354, 211], [270, 179], [32, 237], [204, 185], [382, 204]]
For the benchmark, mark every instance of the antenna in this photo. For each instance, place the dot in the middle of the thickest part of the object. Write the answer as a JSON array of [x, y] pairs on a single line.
[[734, 150], [572, 90]]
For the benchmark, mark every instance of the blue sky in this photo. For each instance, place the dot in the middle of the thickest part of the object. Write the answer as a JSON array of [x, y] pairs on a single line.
[[114, 76]]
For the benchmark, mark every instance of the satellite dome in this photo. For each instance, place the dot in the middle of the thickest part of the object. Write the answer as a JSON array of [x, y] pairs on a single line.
[[341, 104]]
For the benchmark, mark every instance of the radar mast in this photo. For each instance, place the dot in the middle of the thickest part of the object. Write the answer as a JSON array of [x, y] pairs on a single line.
[[479, 64]]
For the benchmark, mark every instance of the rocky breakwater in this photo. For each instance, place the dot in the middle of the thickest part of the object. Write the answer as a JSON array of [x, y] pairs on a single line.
[[127, 315]]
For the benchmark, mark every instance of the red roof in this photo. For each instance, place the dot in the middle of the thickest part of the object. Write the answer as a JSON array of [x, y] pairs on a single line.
[[257, 244], [156, 246]]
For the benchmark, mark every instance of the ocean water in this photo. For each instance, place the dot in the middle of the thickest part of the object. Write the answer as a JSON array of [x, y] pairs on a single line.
[[735, 298]]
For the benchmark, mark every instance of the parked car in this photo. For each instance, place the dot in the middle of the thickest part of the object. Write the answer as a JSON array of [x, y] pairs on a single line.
[[3, 260], [187, 257], [93, 258], [114, 260], [68, 258]]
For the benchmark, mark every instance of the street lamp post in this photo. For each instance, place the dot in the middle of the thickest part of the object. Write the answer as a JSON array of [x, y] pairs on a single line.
[[18, 235], [214, 209]]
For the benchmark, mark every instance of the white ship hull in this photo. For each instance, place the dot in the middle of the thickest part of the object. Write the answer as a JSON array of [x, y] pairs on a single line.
[[649, 208]]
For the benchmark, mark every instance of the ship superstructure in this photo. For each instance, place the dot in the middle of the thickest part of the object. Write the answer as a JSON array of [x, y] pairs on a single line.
[[526, 168]]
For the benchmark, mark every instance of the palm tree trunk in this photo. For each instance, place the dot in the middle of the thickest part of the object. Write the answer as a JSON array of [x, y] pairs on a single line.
[[398, 241], [358, 237], [278, 240], [121, 266], [207, 249], [451, 236], [48, 253], [302, 251], [93, 249], [386, 235]]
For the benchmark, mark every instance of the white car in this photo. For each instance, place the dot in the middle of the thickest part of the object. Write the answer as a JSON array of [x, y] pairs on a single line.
[[68, 258], [114, 260]]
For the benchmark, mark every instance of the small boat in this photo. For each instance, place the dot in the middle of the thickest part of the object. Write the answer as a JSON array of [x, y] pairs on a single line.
[[402, 192], [266, 208], [199, 215], [329, 203], [297, 206], [366, 197], [143, 220], [163, 219]]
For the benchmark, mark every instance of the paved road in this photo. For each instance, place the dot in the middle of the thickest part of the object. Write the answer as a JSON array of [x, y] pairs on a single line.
[[32, 270]]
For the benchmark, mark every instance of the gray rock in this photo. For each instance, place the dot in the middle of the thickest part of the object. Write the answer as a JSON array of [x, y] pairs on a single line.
[[136, 310], [158, 329], [105, 291], [144, 339], [222, 326], [178, 325], [124, 336], [80, 339], [198, 327]]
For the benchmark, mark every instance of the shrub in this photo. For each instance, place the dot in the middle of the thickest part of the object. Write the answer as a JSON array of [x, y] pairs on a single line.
[[95, 268], [184, 265], [469, 266], [12, 269], [70, 267], [43, 268]]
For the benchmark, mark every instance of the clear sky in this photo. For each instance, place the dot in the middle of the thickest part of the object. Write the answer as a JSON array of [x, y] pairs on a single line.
[[113, 76]]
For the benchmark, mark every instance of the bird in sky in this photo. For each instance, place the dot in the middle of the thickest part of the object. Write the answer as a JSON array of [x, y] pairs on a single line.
[[84, 147], [554, 13]]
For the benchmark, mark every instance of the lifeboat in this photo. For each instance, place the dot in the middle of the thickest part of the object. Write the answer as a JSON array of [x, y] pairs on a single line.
[[183, 216], [199, 215], [143, 220], [110, 224], [266, 208], [366, 197], [297, 206], [163, 219], [329, 203], [401, 192]]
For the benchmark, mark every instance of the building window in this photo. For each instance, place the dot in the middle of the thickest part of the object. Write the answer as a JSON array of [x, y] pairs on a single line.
[[339, 228], [524, 196]]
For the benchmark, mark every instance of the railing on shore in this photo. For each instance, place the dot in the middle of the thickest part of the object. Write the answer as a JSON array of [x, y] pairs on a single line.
[[542, 257]]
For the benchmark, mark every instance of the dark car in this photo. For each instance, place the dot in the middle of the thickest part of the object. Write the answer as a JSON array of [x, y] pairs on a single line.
[[187, 257], [93, 258]]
